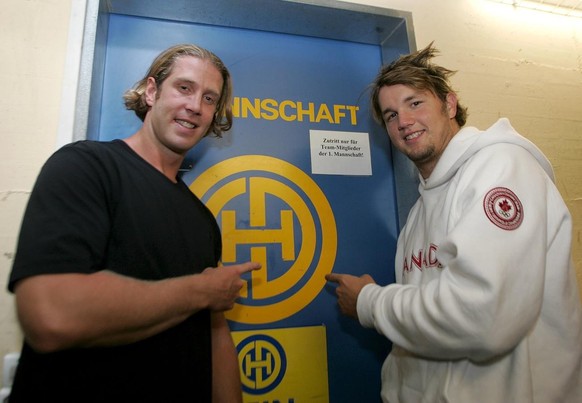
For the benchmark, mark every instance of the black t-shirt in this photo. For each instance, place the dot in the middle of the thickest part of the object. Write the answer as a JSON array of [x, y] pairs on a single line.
[[95, 206]]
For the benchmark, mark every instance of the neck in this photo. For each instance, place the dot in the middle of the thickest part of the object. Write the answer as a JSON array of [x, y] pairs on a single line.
[[427, 166], [161, 158]]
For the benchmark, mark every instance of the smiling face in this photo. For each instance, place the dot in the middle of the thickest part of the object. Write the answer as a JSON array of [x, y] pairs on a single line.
[[182, 108], [418, 123]]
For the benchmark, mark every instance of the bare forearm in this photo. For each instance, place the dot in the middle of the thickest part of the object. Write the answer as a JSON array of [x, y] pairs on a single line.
[[226, 386], [59, 311], [77, 310]]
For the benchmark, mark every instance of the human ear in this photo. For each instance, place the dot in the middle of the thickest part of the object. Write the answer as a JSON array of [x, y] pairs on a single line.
[[150, 91], [451, 103]]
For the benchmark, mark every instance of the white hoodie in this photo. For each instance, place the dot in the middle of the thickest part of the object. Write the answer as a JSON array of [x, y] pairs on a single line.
[[486, 305]]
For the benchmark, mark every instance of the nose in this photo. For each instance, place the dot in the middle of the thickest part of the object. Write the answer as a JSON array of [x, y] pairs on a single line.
[[405, 119], [194, 104]]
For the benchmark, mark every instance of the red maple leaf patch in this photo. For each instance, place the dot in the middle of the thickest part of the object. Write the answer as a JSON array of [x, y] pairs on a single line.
[[504, 205]]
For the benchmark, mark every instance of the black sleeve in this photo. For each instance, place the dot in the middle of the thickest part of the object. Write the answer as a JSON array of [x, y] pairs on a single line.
[[66, 223]]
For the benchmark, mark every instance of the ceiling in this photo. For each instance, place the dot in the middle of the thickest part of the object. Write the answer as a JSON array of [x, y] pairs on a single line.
[[570, 8]]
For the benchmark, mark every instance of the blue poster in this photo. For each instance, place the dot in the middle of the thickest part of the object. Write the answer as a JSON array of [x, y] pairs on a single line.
[[303, 183]]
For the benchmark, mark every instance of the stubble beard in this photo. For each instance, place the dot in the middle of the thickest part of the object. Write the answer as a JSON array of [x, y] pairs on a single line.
[[422, 156]]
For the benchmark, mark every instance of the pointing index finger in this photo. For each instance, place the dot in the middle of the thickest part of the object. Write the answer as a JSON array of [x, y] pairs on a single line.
[[248, 266], [333, 277]]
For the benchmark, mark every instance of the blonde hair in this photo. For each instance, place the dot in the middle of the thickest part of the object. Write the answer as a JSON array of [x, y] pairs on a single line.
[[161, 68]]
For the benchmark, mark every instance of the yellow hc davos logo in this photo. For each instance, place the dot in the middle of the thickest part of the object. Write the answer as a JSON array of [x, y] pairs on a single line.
[[283, 365], [296, 250], [262, 362]]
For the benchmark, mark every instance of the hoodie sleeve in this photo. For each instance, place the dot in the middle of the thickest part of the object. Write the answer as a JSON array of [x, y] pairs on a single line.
[[488, 295]]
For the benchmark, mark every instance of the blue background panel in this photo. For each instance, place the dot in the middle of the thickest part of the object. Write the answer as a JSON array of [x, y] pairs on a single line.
[[301, 69]]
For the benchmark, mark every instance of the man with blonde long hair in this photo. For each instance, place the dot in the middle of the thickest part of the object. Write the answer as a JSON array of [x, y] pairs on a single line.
[[116, 280], [485, 307]]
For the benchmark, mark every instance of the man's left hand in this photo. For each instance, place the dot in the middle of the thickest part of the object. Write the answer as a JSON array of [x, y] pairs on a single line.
[[348, 289]]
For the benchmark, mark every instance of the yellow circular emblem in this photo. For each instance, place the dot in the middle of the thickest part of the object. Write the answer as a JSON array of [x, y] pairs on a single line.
[[308, 218]]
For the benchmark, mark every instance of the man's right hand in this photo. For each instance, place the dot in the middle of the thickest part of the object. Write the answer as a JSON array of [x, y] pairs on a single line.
[[223, 284]]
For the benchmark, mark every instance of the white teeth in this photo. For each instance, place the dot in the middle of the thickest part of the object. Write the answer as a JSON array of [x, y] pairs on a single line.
[[186, 124], [412, 136]]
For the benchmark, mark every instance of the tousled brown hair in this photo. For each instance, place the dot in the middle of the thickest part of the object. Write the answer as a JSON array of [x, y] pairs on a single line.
[[415, 70]]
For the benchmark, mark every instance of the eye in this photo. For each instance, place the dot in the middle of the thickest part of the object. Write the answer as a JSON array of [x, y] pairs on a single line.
[[210, 99], [414, 104], [389, 116]]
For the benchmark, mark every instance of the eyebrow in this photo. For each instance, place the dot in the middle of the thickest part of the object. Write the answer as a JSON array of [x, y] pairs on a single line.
[[387, 110], [191, 82], [407, 99]]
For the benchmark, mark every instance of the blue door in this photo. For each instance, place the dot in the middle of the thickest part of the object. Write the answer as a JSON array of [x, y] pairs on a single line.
[[303, 183]]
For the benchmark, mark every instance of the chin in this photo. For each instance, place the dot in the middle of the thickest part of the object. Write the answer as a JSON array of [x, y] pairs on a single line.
[[184, 145]]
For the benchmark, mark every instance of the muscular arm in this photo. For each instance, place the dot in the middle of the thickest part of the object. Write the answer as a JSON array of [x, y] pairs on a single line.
[[226, 385], [59, 311]]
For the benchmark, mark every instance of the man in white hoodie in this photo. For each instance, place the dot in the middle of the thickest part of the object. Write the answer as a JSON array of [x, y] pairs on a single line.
[[486, 306]]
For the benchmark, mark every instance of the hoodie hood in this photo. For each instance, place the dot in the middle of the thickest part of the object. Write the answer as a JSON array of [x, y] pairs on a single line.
[[470, 140]]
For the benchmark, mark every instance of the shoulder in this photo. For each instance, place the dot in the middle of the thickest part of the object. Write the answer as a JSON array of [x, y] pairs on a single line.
[[90, 164], [504, 170], [85, 148], [504, 145], [502, 159], [85, 154]]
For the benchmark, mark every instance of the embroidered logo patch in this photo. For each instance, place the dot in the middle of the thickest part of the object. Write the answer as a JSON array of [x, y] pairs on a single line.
[[503, 208]]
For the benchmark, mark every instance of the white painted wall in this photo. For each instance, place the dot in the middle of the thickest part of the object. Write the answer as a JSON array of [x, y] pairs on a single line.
[[520, 64], [33, 39]]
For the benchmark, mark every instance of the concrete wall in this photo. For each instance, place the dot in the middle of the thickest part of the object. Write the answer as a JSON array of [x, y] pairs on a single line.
[[524, 65]]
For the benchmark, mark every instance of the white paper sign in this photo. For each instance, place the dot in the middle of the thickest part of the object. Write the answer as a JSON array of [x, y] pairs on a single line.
[[340, 153]]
